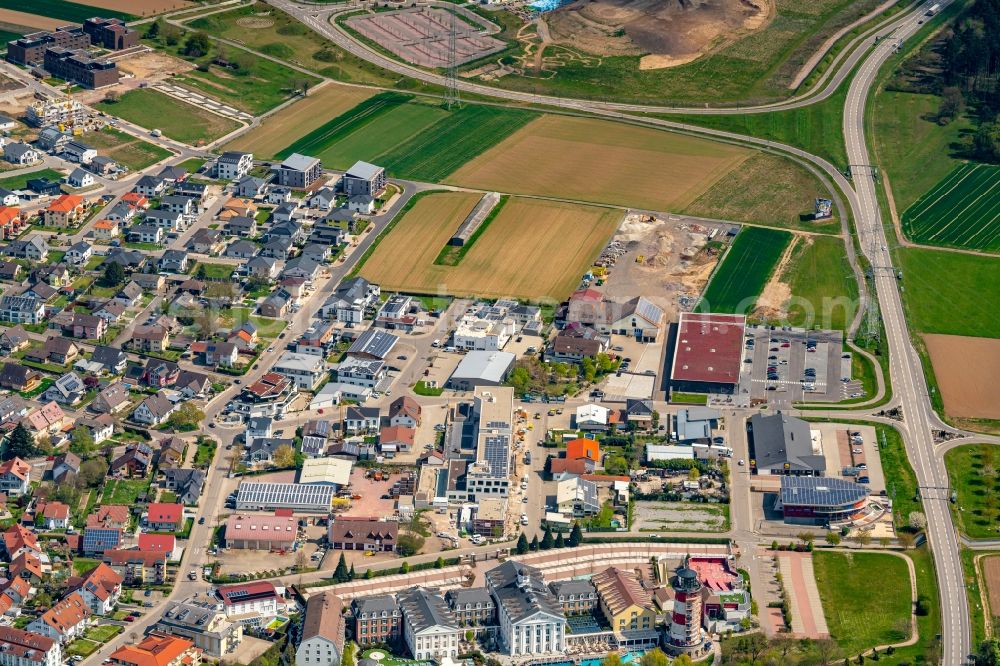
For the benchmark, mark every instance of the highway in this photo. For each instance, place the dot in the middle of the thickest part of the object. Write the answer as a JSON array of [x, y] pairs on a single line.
[[906, 371]]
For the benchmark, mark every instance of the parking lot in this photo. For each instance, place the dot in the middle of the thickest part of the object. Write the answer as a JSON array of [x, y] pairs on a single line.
[[793, 364]]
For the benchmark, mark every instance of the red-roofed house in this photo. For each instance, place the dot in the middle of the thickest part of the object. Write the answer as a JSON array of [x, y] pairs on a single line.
[[165, 517], [158, 649], [25, 647], [110, 515], [18, 539], [64, 621], [138, 567], [64, 211], [583, 448], [396, 438], [14, 593], [160, 543], [26, 566], [56, 515], [47, 419], [15, 477], [100, 589], [559, 467]]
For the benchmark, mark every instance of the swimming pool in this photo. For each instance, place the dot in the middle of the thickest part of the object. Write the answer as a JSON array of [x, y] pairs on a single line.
[[627, 658], [548, 5]]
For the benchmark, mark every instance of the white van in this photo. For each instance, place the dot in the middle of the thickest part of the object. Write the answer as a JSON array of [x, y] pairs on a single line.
[[436, 343]]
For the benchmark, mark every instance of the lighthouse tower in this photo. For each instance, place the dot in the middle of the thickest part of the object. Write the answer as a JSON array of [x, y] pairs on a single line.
[[684, 632]]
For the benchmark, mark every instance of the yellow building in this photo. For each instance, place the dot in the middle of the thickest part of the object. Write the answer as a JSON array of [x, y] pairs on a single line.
[[624, 602]]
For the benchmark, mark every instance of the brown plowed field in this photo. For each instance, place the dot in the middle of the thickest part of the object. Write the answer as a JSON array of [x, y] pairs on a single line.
[[991, 579], [966, 370], [523, 253], [603, 162], [139, 7], [12, 17], [281, 129]]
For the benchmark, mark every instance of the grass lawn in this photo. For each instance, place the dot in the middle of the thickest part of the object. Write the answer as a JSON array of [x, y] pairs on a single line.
[[82, 647], [124, 491], [205, 453], [215, 271], [178, 120], [817, 128], [192, 165], [947, 292], [912, 148], [256, 86], [767, 190], [125, 149], [421, 388], [858, 619], [266, 327], [103, 633], [744, 271], [19, 182], [84, 564], [822, 285], [92, 264], [689, 398], [310, 49], [973, 474], [168, 497]]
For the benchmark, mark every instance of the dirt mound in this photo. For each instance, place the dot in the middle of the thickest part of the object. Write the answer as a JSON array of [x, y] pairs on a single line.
[[666, 32]]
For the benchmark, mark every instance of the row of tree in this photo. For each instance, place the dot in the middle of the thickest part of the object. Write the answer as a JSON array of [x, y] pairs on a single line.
[[549, 542]]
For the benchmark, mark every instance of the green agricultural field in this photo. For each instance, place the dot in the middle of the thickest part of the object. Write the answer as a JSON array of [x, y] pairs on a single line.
[[823, 290], [962, 210], [411, 138], [440, 149], [8, 35], [858, 619], [71, 12], [126, 149], [948, 292], [19, 182], [744, 271], [972, 471], [176, 119]]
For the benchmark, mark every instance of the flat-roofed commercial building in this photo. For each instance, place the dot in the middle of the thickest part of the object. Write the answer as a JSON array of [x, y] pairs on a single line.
[[708, 353], [307, 498], [489, 475], [812, 500]]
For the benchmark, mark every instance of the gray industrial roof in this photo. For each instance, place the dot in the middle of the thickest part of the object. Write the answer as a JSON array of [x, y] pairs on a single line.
[[485, 365], [780, 440], [296, 495], [820, 491]]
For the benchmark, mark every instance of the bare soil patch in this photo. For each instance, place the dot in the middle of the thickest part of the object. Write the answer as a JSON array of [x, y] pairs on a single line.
[[29, 20], [966, 370], [154, 66], [991, 580], [600, 161], [667, 33], [139, 7], [772, 302]]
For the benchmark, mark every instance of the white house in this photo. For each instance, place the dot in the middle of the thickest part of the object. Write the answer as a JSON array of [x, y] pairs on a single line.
[[592, 417], [530, 617], [322, 641], [80, 178], [305, 369], [233, 165], [66, 620], [429, 627]]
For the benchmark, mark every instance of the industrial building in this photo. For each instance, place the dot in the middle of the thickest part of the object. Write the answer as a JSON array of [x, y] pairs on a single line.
[[707, 353], [783, 444], [256, 532], [481, 368], [811, 500], [493, 412], [307, 498]]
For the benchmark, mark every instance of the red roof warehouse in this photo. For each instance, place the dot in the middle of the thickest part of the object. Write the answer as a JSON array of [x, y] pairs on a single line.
[[708, 351]]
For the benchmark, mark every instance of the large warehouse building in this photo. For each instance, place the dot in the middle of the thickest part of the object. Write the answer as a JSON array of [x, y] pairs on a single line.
[[811, 500], [707, 353]]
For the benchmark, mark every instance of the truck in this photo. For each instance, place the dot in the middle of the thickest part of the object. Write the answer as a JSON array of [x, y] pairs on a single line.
[[933, 9]]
